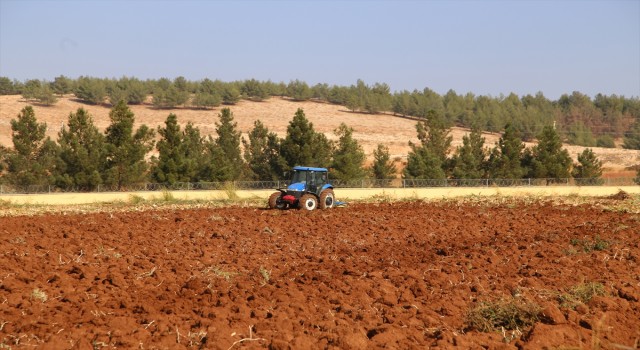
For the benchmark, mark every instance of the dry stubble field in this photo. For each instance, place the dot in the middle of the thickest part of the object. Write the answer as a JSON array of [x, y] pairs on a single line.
[[403, 275]]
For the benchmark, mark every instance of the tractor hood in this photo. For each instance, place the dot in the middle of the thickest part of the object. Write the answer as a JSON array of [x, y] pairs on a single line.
[[296, 186]]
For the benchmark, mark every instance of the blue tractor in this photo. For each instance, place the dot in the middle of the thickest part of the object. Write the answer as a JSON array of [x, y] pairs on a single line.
[[309, 189]]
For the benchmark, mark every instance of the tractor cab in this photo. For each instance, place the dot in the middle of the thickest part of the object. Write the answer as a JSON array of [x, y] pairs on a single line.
[[307, 179], [309, 188]]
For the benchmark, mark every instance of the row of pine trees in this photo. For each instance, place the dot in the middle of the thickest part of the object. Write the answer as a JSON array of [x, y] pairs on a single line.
[[580, 120], [84, 158]]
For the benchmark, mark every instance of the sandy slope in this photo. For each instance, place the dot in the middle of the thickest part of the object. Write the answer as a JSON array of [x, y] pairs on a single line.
[[275, 113]]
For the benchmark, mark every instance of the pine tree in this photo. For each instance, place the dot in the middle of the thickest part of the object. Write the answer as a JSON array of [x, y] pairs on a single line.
[[383, 168], [255, 153], [434, 135], [34, 158], [348, 157], [505, 159], [206, 100], [126, 151], [228, 141], [588, 171], [470, 159], [298, 90], [31, 89], [116, 92], [632, 136], [422, 163], [402, 103], [39, 91], [193, 151], [548, 159], [254, 90], [223, 157], [62, 85], [580, 135], [378, 99], [45, 95], [428, 160], [230, 94], [136, 91], [208, 94], [7, 87], [91, 90], [170, 97], [4, 152], [170, 163], [215, 166], [303, 145], [82, 152], [262, 154], [605, 141], [4, 155]]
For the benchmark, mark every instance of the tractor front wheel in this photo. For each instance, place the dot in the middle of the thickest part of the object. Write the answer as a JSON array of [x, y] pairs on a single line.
[[327, 199], [275, 201], [308, 202]]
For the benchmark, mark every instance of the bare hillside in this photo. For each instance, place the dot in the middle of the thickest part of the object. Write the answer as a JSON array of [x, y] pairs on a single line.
[[275, 113]]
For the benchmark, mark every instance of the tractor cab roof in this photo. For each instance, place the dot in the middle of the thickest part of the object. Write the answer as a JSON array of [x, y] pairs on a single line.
[[307, 168]]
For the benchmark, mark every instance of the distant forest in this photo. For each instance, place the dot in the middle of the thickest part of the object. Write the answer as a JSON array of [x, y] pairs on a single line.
[[579, 119]]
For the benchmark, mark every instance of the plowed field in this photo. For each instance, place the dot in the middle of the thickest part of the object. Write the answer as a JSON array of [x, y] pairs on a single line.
[[376, 275]]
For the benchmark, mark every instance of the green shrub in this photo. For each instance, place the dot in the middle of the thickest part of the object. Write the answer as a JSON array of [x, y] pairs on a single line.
[[597, 244]]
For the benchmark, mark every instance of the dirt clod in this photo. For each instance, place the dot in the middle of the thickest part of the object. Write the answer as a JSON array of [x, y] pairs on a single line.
[[620, 196]]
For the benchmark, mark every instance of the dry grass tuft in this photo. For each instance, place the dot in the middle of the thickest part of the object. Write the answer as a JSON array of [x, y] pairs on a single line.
[[511, 314], [581, 294], [39, 295]]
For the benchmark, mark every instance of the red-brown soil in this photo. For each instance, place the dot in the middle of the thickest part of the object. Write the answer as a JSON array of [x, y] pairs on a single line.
[[377, 275]]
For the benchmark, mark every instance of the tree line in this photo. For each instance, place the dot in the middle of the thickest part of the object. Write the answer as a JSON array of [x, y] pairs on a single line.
[[509, 158], [579, 119], [84, 158]]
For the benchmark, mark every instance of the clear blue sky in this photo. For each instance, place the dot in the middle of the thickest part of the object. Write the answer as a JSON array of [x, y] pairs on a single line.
[[483, 47]]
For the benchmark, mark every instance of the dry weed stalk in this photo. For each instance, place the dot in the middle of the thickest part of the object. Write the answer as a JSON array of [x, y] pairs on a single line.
[[251, 338]]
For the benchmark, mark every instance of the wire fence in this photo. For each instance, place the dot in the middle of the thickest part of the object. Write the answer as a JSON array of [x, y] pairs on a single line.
[[364, 183]]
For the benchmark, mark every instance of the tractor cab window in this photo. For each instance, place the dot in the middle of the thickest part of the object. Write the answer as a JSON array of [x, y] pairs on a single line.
[[299, 176], [312, 178]]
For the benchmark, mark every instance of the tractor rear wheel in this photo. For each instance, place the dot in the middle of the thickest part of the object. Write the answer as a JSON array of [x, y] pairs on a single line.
[[327, 199], [308, 202], [275, 202]]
